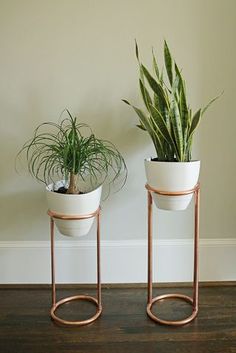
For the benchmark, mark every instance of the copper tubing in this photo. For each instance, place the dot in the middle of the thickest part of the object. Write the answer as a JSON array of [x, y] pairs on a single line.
[[172, 193], [168, 322], [76, 323], [72, 217], [196, 245], [193, 301], [98, 263], [52, 262], [150, 256], [95, 301]]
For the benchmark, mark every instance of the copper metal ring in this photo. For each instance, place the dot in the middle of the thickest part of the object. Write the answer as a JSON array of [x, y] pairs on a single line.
[[53, 214], [173, 193], [76, 323], [193, 301], [171, 322], [96, 302]]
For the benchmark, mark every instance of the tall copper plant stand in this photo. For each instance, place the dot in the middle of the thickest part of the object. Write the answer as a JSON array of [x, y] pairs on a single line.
[[95, 301], [194, 300]]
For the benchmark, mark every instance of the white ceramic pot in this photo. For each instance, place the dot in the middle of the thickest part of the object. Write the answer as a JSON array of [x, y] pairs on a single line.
[[72, 205], [172, 176]]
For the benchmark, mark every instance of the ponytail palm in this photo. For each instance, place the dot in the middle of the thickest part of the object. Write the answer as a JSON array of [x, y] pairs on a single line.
[[168, 119], [63, 151]]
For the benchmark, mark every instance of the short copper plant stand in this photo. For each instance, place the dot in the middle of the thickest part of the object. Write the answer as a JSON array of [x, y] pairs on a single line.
[[95, 301], [194, 300]]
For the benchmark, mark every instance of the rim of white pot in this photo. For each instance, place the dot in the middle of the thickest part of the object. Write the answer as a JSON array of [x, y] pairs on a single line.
[[50, 188], [151, 159]]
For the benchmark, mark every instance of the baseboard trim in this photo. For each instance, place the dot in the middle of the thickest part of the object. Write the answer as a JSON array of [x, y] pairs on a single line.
[[86, 286], [124, 261]]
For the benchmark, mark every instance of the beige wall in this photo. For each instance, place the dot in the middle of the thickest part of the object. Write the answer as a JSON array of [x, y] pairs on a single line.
[[80, 55]]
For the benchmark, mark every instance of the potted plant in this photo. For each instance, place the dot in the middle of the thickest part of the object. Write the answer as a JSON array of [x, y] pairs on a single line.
[[65, 155], [170, 123]]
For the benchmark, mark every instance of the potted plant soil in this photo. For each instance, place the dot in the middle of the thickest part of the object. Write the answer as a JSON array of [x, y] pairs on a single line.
[[65, 155], [171, 124]]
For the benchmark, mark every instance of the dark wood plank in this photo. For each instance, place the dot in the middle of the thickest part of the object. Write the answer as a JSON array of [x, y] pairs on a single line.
[[25, 324]]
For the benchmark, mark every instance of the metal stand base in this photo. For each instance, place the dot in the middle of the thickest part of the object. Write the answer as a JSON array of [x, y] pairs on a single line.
[[193, 301], [96, 302]]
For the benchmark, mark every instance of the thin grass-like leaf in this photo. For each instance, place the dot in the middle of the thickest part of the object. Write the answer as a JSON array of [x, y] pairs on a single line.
[[66, 151]]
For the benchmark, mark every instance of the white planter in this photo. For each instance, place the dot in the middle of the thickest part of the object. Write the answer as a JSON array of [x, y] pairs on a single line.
[[172, 176], [73, 205]]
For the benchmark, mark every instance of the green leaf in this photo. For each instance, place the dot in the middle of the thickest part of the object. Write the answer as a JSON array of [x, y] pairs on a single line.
[[155, 66], [156, 87], [140, 126], [210, 103], [183, 109], [147, 124], [168, 63], [136, 50], [125, 101], [64, 150], [145, 95], [185, 115], [195, 122], [177, 128], [143, 118], [160, 124]]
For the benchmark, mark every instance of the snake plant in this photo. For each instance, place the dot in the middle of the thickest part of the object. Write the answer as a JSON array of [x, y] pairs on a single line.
[[168, 118], [70, 150]]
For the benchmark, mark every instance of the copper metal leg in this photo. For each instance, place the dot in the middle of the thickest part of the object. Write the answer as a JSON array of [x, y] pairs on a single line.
[[96, 302], [149, 247], [193, 301]]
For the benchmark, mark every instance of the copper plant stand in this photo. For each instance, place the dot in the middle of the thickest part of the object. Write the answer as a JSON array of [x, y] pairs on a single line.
[[95, 301], [193, 301]]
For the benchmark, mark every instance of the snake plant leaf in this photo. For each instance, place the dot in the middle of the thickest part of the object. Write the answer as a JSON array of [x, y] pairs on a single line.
[[140, 126], [147, 124], [169, 123], [210, 103], [168, 63], [155, 66], [161, 124], [142, 117], [156, 87], [182, 89], [136, 50], [195, 121], [183, 109], [177, 129], [137, 57], [145, 95], [158, 144]]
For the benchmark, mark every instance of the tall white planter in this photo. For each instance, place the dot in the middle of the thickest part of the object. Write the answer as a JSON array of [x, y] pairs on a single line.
[[73, 205], [172, 176]]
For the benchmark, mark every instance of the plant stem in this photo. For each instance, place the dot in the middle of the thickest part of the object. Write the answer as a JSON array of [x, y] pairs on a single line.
[[72, 189]]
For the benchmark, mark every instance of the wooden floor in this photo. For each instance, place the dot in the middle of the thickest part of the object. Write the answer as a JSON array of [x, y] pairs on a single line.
[[25, 325]]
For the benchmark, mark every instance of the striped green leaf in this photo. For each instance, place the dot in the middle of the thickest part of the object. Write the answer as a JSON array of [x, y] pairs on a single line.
[[145, 95], [168, 63], [195, 122], [156, 87], [177, 128], [169, 123], [155, 66], [145, 122], [210, 103], [160, 124]]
